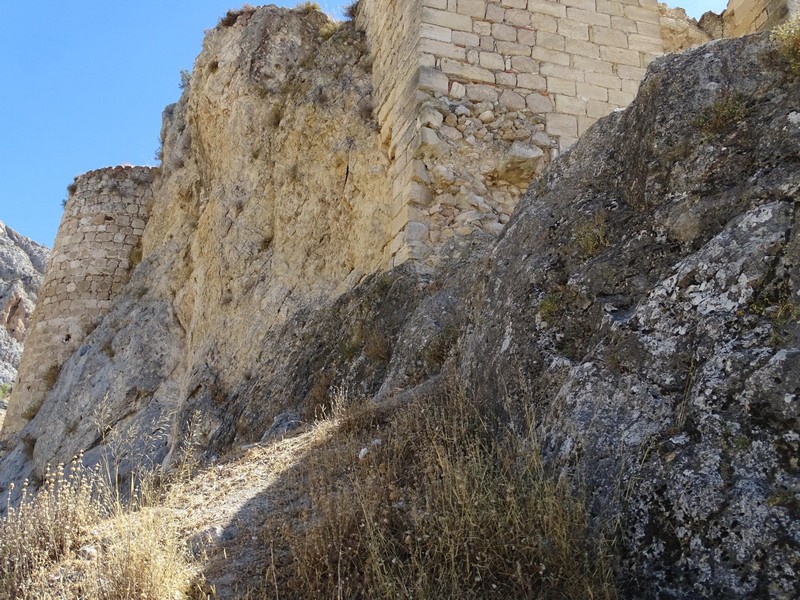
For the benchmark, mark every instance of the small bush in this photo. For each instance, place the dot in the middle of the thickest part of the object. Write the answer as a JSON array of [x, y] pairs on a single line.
[[230, 18], [787, 39], [5, 391], [328, 29], [592, 235], [186, 78], [377, 347], [724, 112]]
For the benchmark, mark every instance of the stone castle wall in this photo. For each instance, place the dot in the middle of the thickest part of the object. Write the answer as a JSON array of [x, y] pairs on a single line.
[[96, 245], [394, 29], [474, 96], [751, 16]]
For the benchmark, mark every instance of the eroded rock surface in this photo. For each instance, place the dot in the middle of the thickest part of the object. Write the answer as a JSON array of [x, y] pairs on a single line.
[[680, 32], [646, 297], [643, 300], [22, 265], [267, 202]]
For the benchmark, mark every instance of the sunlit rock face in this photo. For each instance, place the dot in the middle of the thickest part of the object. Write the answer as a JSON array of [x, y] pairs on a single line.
[[22, 265], [642, 300]]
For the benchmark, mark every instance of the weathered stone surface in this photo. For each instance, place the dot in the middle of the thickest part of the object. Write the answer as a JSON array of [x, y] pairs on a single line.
[[264, 205], [642, 300], [679, 31], [22, 266], [635, 297]]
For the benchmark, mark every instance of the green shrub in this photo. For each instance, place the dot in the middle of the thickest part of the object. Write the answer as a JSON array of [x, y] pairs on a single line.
[[186, 78], [726, 111]]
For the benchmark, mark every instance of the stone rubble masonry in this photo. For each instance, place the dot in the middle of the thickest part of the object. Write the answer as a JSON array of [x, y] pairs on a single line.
[[751, 16], [549, 67], [98, 239]]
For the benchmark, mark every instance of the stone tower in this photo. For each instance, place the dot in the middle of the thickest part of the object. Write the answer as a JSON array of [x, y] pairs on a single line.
[[96, 247]]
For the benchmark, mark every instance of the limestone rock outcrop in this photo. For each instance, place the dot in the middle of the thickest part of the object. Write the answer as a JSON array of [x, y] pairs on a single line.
[[643, 301], [266, 202], [646, 296], [22, 266]]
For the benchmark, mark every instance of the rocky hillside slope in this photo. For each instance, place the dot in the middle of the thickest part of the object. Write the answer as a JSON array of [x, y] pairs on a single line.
[[22, 265], [643, 302]]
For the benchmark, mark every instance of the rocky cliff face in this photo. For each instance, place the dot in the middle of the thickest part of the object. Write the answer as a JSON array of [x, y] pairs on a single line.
[[643, 301], [646, 296], [22, 265], [267, 202]]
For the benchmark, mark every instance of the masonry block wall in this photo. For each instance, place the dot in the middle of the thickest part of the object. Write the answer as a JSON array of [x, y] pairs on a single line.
[[515, 80], [751, 16], [95, 248]]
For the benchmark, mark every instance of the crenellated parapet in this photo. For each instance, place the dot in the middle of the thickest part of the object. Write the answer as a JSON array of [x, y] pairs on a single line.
[[97, 245]]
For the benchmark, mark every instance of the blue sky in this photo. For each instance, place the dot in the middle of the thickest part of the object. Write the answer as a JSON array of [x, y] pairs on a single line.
[[84, 83]]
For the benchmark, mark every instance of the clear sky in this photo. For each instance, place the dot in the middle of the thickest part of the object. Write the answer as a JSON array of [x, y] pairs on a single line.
[[83, 86]]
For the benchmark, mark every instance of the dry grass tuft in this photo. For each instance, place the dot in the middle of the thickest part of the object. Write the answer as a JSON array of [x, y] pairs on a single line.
[[307, 7], [351, 11], [74, 539], [592, 235], [787, 39], [434, 500]]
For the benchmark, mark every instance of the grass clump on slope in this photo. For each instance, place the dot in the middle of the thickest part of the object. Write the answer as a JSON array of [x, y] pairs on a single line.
[[787, 39], [75, 539], [437, 499]]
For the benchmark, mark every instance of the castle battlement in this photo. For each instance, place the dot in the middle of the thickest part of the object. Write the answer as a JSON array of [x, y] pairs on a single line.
[[96, 246]]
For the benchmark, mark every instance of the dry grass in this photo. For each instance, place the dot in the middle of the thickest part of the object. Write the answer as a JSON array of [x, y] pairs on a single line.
[[787, 39], [592, 235], [74, 539], [726, 111], [307, 7], [433, 500], [439, 498], [351, 11]]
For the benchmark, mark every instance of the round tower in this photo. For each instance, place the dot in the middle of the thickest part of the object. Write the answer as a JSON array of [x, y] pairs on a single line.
[[97, 245]]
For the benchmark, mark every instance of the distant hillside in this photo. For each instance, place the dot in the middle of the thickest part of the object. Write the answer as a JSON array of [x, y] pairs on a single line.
[[22, 264]]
